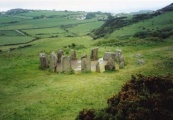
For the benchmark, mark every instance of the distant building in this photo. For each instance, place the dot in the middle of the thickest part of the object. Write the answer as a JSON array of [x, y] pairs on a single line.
[[82, 17]]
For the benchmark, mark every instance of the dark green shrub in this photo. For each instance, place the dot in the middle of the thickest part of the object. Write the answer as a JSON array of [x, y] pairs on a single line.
[[141, 98], [142, 34]]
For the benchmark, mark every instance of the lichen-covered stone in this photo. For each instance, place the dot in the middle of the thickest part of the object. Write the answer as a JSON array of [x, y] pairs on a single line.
[[43, 60], [73, 55], [60, 54], [85, 64], [110, 65], [53, 61], [121, 65], [94, 54], [66, 64], [108, 55], [84, 56], [97, 67]]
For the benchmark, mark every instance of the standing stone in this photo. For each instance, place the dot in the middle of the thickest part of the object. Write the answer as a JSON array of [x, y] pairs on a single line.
[[94, 54], [84, 56], [119, 55], [97, 67], [85, 64], [110, 65], [66, 64], [108, 55], [43, 61], [53, 61], [73, 55], [121, 65], [60, 54]]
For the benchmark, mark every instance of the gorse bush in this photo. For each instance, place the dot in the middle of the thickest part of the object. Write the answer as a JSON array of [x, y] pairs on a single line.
[[141, 98], [162, 33]]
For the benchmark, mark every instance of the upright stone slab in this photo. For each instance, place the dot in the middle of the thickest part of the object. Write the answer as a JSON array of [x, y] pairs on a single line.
[[84, 56], [73, 55], [94, 54], [108, 55], [60, 54], [66, 64], [43, 60], [53, 61], [110, 65], [97, 67], [119, 56], [85, 64]]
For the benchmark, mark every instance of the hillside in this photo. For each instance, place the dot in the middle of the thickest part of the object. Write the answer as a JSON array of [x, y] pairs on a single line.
[[27, 92], [118, 23]]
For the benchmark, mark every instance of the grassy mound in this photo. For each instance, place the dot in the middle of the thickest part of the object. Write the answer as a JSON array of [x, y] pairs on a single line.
[[141, 98]]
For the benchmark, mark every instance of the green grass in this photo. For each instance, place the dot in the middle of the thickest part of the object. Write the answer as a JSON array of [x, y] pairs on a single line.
[[14, 39], [83, 29], [26, 92], [159, 22], [45, 32]]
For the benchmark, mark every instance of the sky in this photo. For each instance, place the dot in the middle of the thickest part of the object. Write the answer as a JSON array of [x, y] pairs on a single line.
[[114, 6]]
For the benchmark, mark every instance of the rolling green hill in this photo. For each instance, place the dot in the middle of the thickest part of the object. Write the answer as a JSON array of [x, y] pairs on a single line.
[[26, 92]]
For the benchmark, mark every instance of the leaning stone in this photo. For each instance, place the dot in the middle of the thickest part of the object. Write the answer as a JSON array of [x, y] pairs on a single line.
[[53, 61], [60, 54], [108, 55], [66, 64], [97, 67], [73, 55], [94, 54], [85, 64], [121, 65], [110, 65], [43, 61]]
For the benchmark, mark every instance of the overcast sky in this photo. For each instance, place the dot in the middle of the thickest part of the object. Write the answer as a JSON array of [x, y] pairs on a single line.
[[115, 6]]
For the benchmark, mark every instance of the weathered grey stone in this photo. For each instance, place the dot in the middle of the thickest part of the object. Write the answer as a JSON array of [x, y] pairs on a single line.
[[121, 65], [118, 55], [97, 67], [84, 56], [66, 64], [43, 60], [121, 58], [110, 65], [140, 62], [60, 54], [138, 55], [73, 55], [108, 55], [94, 54], [85, 64], [53, 61]]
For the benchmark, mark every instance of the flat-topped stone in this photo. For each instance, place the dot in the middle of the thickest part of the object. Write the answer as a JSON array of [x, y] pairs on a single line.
[[108, 55]]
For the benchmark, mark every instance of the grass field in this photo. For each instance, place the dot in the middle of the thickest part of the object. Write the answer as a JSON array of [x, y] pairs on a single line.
[[26, 92]]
